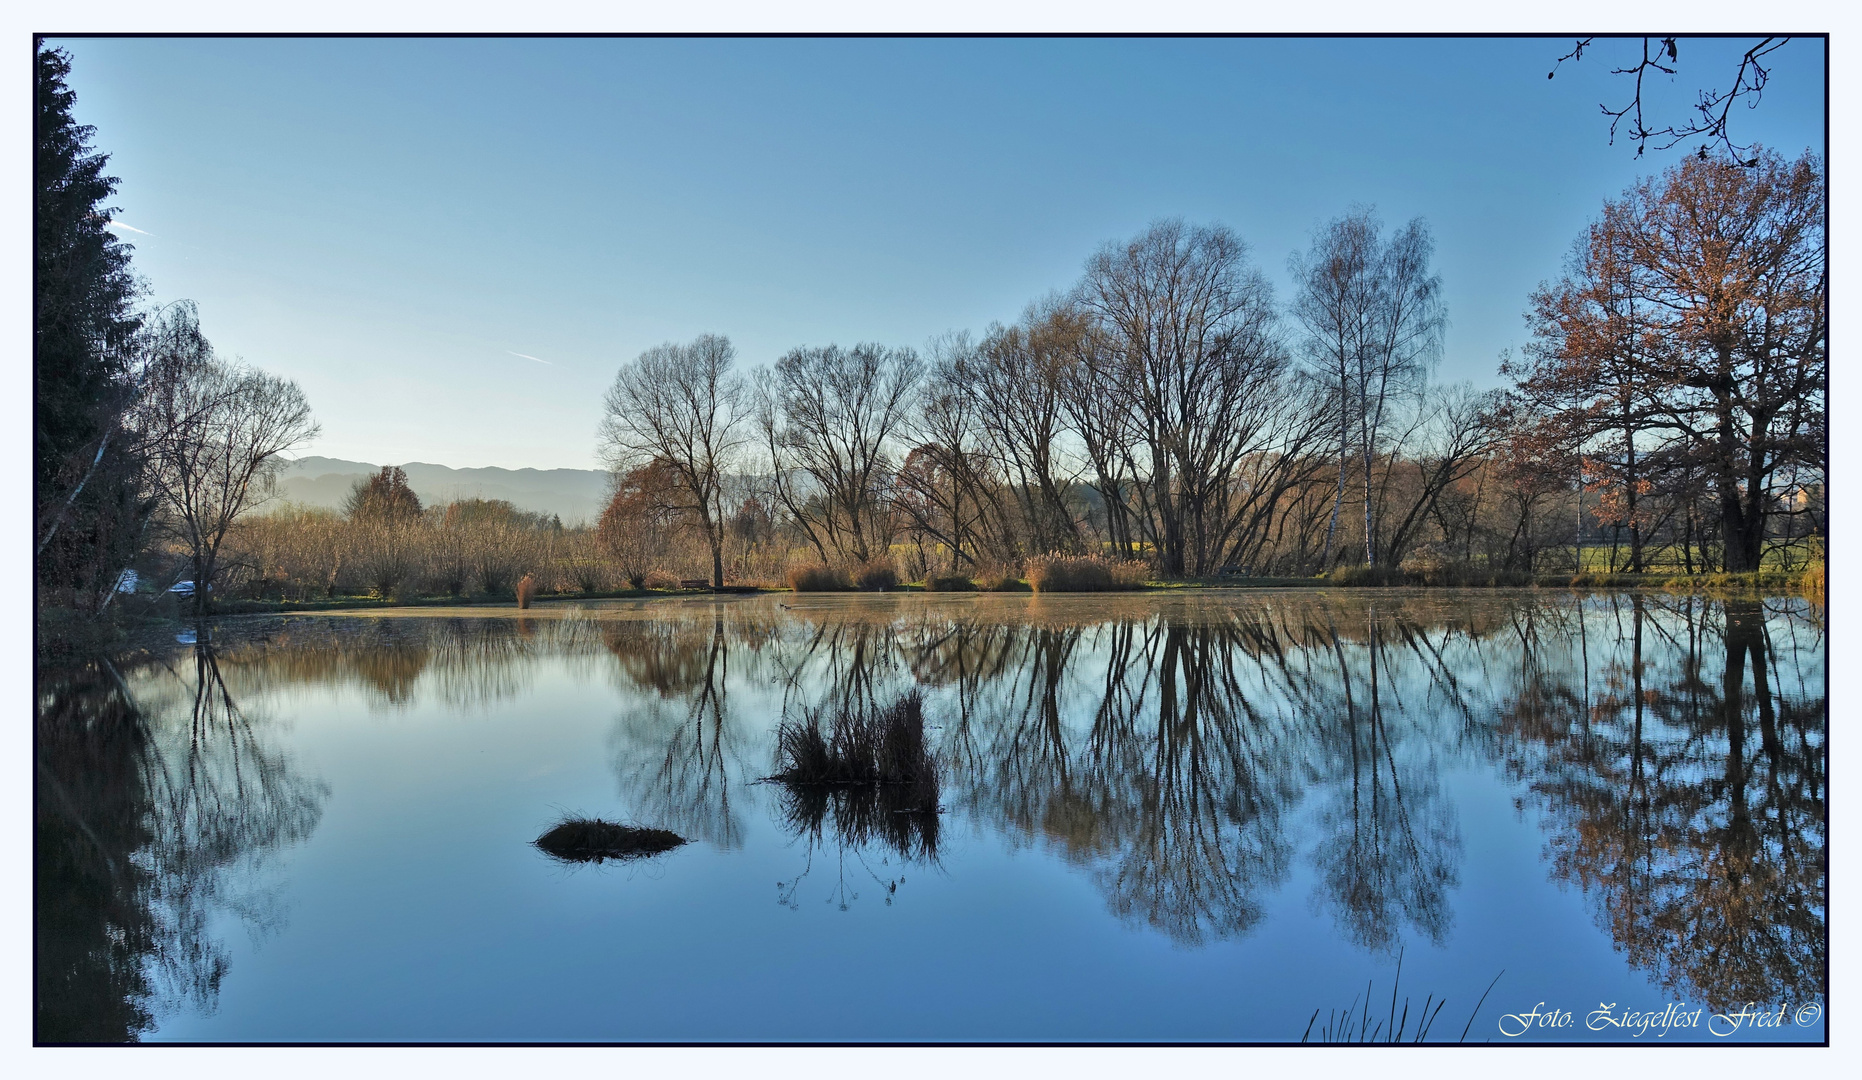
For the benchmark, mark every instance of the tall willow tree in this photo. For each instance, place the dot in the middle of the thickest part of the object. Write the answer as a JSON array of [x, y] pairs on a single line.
[[681, 406], [1197, 369]]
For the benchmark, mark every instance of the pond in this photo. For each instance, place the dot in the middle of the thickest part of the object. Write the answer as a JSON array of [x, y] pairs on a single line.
[[1198, 817]]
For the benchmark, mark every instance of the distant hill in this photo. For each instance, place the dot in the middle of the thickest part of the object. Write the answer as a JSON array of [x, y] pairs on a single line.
[[575, 495]]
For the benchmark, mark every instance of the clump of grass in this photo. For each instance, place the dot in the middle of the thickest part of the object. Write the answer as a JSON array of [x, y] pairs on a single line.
[[661, 580], [1062, 573], [858, 745], [948, 583], [868, 769], [877, 574], [526, 590], [1359, 576], [577, 839], [817, 577], [1000, 579], [1083, 573]]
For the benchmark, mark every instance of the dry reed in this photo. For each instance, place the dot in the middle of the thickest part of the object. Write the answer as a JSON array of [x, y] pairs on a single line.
[[1083, 573], [817, 577]]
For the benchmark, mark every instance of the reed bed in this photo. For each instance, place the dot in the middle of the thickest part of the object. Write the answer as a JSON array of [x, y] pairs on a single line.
[[817, 577], [1355, 1024], [1084, 573]]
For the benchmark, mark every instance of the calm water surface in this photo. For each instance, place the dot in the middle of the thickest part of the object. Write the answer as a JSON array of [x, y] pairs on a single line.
[[1202, 818]]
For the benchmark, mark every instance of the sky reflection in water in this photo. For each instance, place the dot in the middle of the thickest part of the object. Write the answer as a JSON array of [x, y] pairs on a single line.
[[1164, 818]]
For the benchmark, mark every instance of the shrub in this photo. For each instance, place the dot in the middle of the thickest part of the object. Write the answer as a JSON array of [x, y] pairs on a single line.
[[1084, 573], [877, 574], [817, 577], [1061, 573], [949, 583], [526, 590], [659, 579]]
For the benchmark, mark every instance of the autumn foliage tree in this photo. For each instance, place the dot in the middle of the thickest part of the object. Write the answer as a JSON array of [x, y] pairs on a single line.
[[1695, 313], [640, 519], [384, 496]]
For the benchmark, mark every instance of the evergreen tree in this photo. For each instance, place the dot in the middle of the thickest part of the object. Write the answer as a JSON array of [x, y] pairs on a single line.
[[87, 501]]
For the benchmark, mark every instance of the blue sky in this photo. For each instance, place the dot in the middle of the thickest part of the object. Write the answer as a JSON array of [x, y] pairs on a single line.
[[401, 224]]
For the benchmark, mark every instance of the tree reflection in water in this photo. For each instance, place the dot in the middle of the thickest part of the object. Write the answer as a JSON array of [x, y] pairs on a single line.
[[879, 824], [678, 748], [1390, 850], [1688, 800], [1189, 755], [1205, 734], [154, 808]]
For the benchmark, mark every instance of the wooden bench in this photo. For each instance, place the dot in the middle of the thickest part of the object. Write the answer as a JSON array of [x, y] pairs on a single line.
[[695, 583]]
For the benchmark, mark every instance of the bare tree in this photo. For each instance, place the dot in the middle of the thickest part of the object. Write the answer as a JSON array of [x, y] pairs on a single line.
[[1373, 316], [212, 433], [1017, 378], [828, 416], [1335, 308], [680, 404], [1201, 366], [1106, 427], [1455, 428], [947, 486]]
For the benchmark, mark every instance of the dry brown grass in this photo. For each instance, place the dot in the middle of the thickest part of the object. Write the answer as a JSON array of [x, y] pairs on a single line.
[[817, 577], [879, 574], [1000, 579], [1084, 573], [526, 590]]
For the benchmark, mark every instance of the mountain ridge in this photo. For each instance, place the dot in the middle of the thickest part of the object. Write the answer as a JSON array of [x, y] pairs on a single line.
[[574, 495]]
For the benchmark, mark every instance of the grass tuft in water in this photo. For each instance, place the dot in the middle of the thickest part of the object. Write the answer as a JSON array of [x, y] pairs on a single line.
[[576, 839], [859, 746], [867, 770]]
